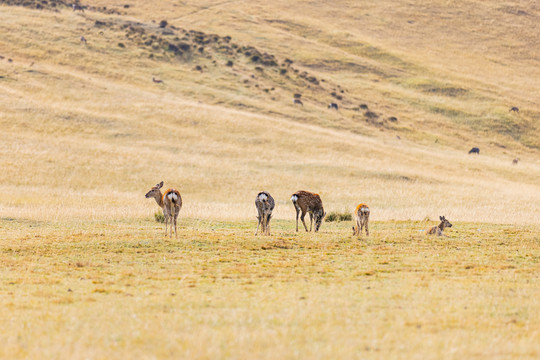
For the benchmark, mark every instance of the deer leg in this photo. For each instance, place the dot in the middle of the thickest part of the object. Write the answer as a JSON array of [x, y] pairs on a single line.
[[166, 222], [175, 221], [268, 224], [310, 221], [297, 212], [367, 229], [258, 223], [303, 222]]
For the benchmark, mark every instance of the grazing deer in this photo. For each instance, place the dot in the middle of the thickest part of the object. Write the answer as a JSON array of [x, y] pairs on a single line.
[[170, 202], [362, 219], [265, 204], [298, 101], [157, 81], [474, 150], [440, 228], [83, 40], [311, 203], [514, 109], [515, 161], [333, 106]]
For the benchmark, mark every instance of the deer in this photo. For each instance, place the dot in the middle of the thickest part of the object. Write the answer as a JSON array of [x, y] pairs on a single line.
[[362, 219], [514, 109], [474, 150], [515, 161], [438, 230], [264, 202], [170, 202], [311, 203], [333, 106], [157, 81], [77, 7], [298, 101]]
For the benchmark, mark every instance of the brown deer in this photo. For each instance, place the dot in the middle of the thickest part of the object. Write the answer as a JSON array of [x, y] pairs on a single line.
[[298, 101], [514, 109], [311, 203], [362, 219], [438, 230], [515, 161], [264, 203], [170, 202], [157, 81]]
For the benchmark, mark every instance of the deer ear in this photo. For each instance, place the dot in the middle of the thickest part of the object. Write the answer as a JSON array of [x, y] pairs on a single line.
[[160, 185]]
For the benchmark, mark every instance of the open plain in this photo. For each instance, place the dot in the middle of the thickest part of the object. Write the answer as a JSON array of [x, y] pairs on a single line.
[[97, 106]]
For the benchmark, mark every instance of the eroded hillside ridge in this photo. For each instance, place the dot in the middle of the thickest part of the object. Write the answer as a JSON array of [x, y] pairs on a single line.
[[198, 50]]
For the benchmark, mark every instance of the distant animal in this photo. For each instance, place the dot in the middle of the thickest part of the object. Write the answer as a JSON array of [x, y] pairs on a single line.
[[474, 150], [361, 215], [514, 109], [298, 101], [78, 7], [333, 106], [438, 230], [264, 203], [158, 81], [515, 161], [308, 202], [170, 202], [83, 39]]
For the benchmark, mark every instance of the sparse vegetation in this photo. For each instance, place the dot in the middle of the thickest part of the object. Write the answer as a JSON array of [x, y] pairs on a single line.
[[338, 216]]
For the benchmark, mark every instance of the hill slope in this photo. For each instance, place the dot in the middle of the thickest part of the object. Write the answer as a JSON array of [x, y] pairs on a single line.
[[88, 131]]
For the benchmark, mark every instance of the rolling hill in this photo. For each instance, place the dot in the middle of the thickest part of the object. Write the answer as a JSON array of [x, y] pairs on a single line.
[[86, 131]]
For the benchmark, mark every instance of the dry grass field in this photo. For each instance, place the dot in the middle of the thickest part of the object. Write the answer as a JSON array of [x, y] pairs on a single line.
[[86, 271]]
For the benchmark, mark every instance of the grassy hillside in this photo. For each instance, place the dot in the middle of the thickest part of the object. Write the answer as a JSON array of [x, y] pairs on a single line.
[[200, 94], [87, 131]]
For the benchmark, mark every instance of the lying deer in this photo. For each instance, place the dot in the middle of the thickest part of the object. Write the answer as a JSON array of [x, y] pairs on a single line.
[[265, 204], [362, 219], [311, 203], [440, 228], [170, 202]]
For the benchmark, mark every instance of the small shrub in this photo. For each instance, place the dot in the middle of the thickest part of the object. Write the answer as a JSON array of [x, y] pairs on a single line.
[[229, 63], [336, 216], [121, 45], [159, 217], [163, 23]]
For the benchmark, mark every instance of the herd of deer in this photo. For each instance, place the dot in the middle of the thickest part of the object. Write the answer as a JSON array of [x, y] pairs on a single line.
[[304, 202]]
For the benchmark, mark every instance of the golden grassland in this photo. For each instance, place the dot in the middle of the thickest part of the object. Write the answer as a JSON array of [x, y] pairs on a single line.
[[87, 273], [117, 289]]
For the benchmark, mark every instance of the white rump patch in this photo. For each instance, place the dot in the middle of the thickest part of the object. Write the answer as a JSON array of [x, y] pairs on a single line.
[[172, 196], [364, 210], [263, 197], [294, 198]]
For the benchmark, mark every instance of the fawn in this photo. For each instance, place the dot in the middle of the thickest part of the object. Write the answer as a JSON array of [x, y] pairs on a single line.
[[265, 204], [362, 219], [440, 228], [170, 202], [311, 203]]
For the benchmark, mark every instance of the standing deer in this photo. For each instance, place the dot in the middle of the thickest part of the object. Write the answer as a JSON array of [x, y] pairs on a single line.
[[311, 203], [265, 204], [515, 161], [438, 230], [298, 101], [514, 109], [170, 202], [362, 219]]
